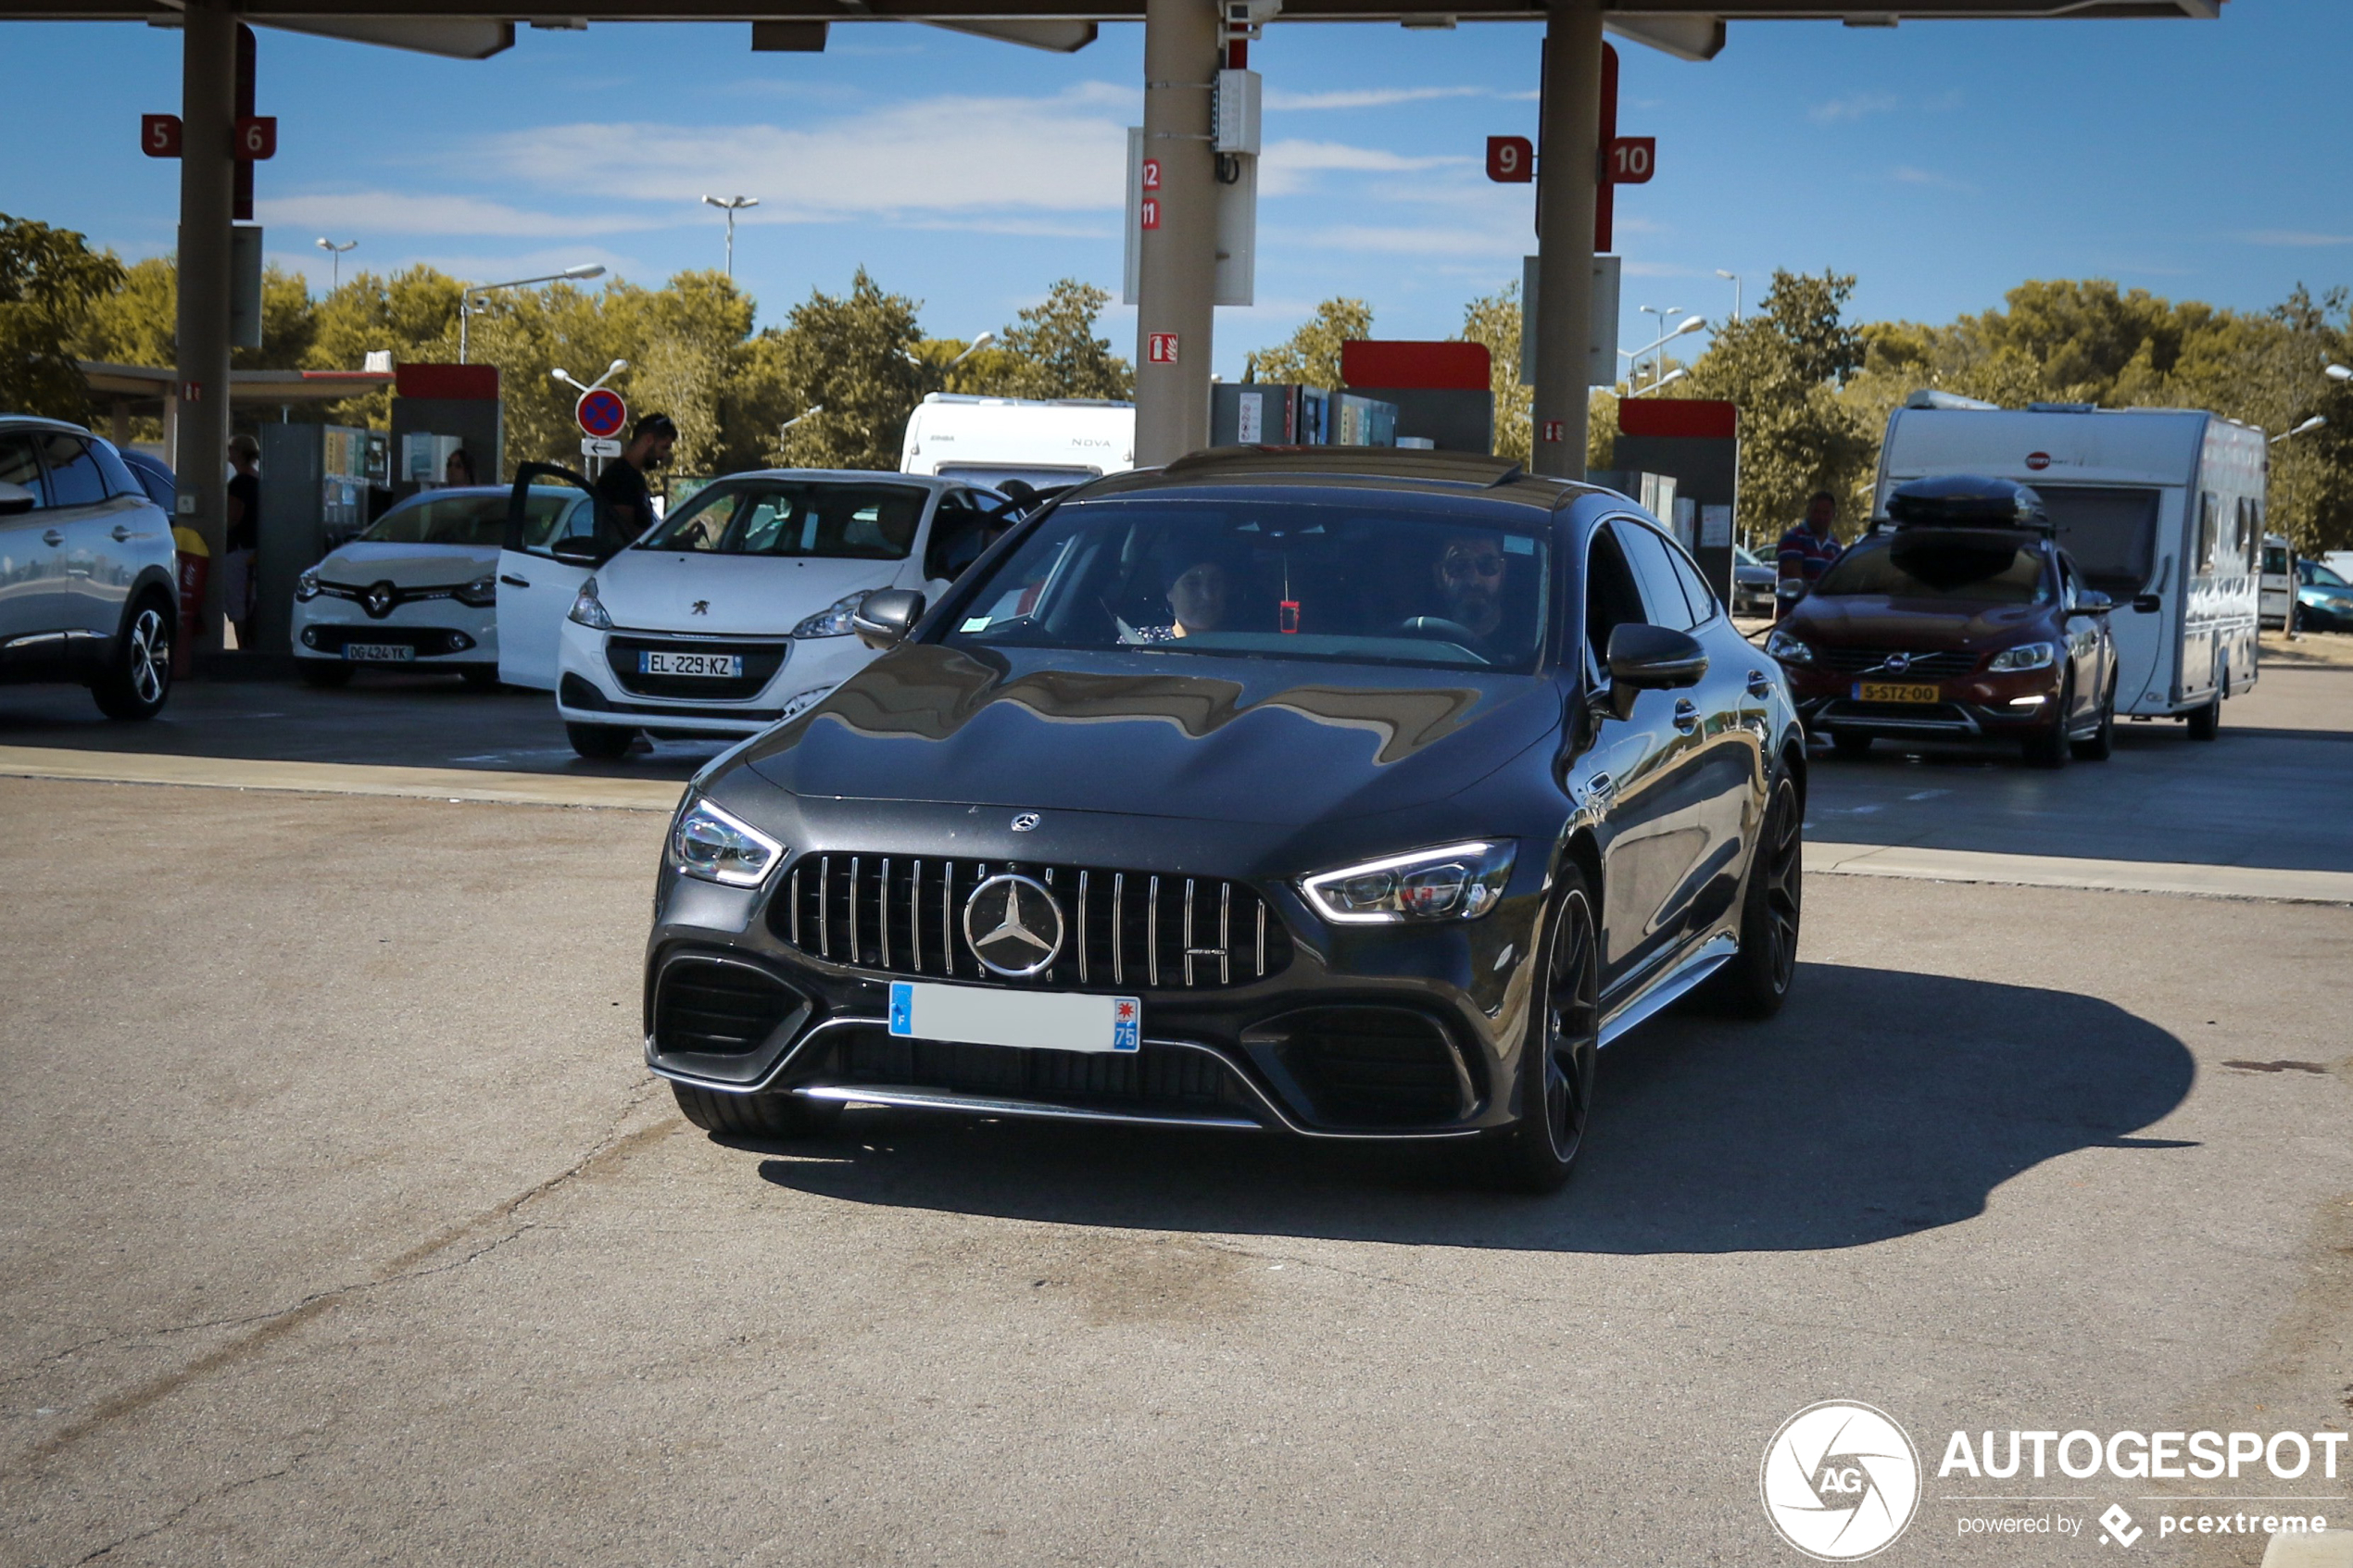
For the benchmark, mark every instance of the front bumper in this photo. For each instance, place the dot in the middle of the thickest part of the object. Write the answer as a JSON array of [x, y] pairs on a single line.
[[588, 690], [1398, 1031], [439, 633], [1976, 707]]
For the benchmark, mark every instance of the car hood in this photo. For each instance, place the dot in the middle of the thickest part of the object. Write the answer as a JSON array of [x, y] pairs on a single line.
[[1877, 621], [1237, 740], [749, 596], [362, 563]]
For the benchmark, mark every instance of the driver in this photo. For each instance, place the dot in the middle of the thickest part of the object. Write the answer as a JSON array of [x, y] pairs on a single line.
[[1469, 573], [1197, 597]]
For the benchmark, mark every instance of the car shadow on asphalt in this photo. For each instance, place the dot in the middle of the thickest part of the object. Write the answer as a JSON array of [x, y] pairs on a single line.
[[1879, 1104]]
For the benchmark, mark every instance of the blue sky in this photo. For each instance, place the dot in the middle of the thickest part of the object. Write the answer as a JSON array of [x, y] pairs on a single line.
[[1942, 162]]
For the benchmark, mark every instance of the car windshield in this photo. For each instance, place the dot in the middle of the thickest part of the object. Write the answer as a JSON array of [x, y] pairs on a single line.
[[795, 516], [2315, 573], [1357, 580], [1966, 567], [476, 519]]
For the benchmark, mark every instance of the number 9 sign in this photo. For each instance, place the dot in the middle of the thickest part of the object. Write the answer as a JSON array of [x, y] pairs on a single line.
[[1511, 160]]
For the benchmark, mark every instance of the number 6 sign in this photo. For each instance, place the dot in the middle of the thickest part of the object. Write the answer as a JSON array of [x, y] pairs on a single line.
[[256, 138]]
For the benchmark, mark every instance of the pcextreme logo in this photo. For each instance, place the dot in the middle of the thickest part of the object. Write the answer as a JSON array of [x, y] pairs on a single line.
[[1841, 1481]]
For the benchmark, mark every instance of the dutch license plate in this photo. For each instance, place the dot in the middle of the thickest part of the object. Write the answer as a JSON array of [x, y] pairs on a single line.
[[1895, 691], [712, 666], [379, 653], [1046, 1021]]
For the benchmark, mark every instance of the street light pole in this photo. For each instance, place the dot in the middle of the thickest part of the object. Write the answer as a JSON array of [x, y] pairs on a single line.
[[731, 207], [334, 274], [471, 292], [1735, 279]]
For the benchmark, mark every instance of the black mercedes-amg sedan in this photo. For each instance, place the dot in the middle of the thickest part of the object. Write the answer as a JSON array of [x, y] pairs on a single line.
[[1344, 793]]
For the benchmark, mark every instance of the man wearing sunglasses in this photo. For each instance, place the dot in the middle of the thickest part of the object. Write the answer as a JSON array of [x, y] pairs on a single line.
[[1469, 574]]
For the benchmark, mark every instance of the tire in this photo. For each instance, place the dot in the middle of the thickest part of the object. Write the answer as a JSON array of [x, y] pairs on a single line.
[[2101, 745], [325, 673], [2207, 723], [600, 742], [1556, 1064], [138, 675], [482, 679], [2049, 748], [752, 1116], [1758, 980], [1850, 744]]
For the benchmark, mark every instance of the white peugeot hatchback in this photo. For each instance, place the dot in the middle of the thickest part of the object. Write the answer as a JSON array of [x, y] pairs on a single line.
[[734, 612]]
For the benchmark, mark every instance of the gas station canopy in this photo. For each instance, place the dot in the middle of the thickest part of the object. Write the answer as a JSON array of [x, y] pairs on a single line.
[[1689, 29]]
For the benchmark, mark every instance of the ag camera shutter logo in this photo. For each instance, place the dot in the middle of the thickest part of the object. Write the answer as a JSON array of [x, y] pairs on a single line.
[[1841, 1481]]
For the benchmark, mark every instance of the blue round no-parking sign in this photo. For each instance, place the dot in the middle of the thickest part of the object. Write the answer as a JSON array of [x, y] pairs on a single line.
[[601, 413]]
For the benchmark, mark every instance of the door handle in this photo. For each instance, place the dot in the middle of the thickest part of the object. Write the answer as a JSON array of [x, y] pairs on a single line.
[[1759, 684], [1600, 790], [54, 536], [1686, 715], [513, 582], [121, 534]]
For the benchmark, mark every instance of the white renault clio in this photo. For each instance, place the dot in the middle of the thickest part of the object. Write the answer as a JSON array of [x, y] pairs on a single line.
[[734, 612]]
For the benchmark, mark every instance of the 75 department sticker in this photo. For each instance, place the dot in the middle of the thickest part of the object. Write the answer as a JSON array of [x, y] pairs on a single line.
[[1841, 1481]]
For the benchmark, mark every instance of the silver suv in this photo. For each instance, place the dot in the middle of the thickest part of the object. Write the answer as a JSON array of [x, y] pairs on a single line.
[[87, 592]]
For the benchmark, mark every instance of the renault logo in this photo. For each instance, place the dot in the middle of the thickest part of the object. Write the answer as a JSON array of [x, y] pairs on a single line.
[[1014, 925], [380, 599]]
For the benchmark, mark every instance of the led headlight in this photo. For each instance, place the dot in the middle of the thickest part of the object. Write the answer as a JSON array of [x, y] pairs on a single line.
[[482, 593], [716, 847], [307, 585], [1788, 649], [833, 620], [588, 610], [2026, 655], [1454, 882]]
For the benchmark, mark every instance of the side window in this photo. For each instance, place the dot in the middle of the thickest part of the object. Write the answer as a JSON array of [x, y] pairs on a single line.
[[1696, 592], [959, 532], [1654, 568], [1612, 598], [19, 466], [2067, 590], [2250, 528], [74, 479], [2209, 532], [117, 473]]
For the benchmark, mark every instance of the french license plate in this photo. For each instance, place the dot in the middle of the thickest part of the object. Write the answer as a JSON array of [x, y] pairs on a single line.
[[379, 653], [712, 666], [1046, 1021], [1895, 691]]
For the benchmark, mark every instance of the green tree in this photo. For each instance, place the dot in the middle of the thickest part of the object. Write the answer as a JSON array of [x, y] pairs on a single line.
[[851, 357], [1495, 320], [1311, 355], [1056, 353], [50, 282], [413, 314], [1783, 366]]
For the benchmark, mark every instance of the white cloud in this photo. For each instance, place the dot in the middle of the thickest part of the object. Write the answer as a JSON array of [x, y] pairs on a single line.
[[392, 212], [2296, 237], [1284, 167], [931, 157], [1855, 107], [1905, 174], [1432, 240], [1369, 97]]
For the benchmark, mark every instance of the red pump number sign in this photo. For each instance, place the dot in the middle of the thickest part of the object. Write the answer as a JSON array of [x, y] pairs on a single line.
[[1511, 160]]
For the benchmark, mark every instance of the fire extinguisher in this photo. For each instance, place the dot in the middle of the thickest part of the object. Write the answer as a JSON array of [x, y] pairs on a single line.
[[196, 569]]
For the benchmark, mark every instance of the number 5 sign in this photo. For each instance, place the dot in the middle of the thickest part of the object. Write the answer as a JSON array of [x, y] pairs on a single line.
[[159, 135]]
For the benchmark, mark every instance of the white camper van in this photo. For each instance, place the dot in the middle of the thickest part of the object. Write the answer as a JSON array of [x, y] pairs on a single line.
[[1043, 443], [2161, 508]]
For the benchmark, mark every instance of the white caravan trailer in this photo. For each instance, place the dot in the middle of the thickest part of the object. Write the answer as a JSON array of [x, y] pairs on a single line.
[[1044, 443], [2161, 509]]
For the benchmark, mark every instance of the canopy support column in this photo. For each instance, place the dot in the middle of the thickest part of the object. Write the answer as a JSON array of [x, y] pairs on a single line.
[[208, 113], [1566, 175], [1178, 285]]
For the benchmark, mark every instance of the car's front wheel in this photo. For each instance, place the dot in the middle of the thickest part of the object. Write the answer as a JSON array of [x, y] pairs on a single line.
[[1556, 1068], [752, 1116], [138, 678], [2100, 744], [2049, 748], [2207, 723], [600, 742]]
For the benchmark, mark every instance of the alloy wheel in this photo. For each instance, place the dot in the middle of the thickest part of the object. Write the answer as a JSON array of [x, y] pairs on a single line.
[[1572, 1036], [1784, 882], [150, 657]]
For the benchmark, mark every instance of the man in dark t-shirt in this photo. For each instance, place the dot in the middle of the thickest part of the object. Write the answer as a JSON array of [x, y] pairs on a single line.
[[245, 536], [624, 505]]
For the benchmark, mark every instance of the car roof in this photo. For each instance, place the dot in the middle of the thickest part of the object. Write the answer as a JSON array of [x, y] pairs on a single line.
[[41, 421], [1410, 470], [856, 476]]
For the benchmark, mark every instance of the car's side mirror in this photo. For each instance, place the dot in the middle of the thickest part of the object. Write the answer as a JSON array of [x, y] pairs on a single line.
[[2092, 602], [14, 499], [1652, 657], [886, 616], [2148, 603]]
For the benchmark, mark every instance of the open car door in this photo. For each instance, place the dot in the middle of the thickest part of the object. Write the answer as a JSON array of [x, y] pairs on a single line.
[[555, 537]]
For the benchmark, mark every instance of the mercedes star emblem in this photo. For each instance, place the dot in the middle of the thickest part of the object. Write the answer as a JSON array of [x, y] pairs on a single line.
[[1024, 820], [1014, 925]]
